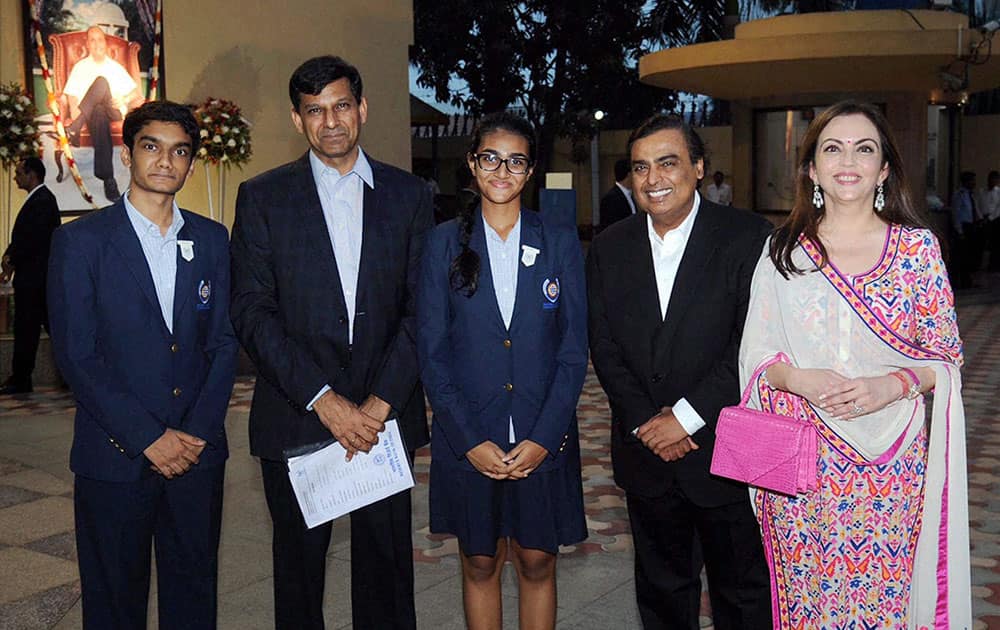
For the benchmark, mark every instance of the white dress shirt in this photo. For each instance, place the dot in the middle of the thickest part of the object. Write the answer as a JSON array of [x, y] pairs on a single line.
[[85, 72], [343, 199], [503, 268], [161, 255], [667, 253], [722, 195]]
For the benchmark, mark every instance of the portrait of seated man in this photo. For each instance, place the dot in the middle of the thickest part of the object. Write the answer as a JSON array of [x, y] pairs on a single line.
[[98, 91]]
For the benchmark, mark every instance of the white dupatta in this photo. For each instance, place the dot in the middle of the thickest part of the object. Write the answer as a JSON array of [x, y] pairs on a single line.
[[818, 320]]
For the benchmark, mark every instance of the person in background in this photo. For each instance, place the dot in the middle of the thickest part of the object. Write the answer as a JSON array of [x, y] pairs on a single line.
[[617, 203], [966, 222], [27, 261], [719, 191], [990, 203]]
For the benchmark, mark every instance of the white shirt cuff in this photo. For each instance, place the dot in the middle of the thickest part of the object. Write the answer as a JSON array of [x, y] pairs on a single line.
[[312, 402], [687, 416]]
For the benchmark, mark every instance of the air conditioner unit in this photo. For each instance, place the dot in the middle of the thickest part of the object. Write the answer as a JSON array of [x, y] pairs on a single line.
[[941, 4]]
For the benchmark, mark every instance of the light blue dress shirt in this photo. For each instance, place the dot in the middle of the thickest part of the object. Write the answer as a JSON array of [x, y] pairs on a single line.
[[503, 265], [503, 268], [343, 200], [161, 255]]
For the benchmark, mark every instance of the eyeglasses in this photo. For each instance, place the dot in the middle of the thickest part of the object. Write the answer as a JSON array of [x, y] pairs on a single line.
[[492, 161]]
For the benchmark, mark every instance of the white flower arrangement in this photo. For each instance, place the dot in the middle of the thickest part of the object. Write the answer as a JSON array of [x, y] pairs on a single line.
[[225, 132], [18, 135]]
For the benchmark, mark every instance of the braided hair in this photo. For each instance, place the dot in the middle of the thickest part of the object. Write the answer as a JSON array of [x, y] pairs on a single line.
[[464, 271]]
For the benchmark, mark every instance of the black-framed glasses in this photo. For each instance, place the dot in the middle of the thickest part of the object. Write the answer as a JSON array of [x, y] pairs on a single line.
[[492, 161]]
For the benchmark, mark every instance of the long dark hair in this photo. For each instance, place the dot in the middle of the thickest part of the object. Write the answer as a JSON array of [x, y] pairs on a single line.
[[804, 219], [464, 271]]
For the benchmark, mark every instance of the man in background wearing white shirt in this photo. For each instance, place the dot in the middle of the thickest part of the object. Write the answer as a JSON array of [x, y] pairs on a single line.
[[99, 90], [668, 290], [719, 191]]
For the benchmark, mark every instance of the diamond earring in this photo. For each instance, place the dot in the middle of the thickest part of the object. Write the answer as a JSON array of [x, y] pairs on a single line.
[[879, 198], [817, 196]]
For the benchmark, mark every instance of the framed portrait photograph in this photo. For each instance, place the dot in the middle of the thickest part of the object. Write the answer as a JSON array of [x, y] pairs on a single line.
[[100, 56]]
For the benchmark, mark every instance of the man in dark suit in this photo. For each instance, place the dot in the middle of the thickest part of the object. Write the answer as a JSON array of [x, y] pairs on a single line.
[[27, 258], [139, 305], [325, 254], [668, 292], [617, 203]]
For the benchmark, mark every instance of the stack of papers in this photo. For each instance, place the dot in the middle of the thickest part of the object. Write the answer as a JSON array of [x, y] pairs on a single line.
[[327, 486]]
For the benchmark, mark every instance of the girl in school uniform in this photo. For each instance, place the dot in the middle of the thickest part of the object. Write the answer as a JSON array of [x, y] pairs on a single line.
[[502, 343]]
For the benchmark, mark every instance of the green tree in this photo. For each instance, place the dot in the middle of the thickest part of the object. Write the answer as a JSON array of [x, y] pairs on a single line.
[[557, 60]]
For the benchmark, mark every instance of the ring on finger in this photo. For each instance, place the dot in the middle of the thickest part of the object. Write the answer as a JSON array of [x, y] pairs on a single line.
[[858, 409]]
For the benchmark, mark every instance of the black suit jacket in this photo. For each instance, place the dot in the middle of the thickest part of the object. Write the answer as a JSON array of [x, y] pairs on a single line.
[[288, 305], [645, 363], [31, 239], [614, 207]]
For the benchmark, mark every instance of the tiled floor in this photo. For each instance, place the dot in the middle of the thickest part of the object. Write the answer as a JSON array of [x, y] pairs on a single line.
[[39, 586]]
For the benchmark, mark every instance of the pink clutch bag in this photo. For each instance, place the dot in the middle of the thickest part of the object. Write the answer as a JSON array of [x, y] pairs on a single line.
[[765, 450]]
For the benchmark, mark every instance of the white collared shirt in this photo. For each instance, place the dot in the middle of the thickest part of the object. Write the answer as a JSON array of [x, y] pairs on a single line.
[[160, 251], [503, 266], [343, 200], [722, 195], [628, 195], [667, 253]]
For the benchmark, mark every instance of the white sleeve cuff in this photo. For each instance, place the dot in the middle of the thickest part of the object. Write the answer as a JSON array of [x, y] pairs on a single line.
[[687, 416], [312, 402]]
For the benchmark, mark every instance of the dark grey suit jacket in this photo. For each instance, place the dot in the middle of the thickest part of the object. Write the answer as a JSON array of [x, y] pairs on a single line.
[[288, 304]]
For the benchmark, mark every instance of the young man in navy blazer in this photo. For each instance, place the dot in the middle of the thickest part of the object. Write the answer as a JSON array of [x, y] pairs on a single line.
[[138, 298], [326, 253]]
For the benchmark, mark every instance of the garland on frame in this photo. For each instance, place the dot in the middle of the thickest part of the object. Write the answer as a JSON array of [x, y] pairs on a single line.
[[53, 103]]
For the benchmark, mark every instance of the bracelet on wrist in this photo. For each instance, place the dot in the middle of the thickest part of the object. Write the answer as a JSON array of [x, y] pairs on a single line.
[[904, 382], [912, 383]]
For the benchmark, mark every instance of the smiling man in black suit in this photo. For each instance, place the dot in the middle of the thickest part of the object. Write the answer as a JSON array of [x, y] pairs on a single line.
[[326, 253], [668, 291]]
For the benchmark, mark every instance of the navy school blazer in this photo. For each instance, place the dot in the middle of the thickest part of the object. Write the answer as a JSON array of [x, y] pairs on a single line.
[[131, 377], [477, 374]]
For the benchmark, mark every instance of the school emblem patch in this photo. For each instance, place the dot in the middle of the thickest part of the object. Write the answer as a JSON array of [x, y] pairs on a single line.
[[550, 289], [204, 293]]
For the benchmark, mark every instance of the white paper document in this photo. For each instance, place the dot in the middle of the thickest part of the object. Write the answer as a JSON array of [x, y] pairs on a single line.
[[328, 487]]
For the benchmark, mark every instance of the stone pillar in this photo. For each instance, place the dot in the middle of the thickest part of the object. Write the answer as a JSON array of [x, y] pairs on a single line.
[[742, 175], [907, 115]]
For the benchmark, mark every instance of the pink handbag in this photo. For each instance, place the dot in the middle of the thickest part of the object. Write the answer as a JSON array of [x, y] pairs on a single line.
[[765, 450]]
